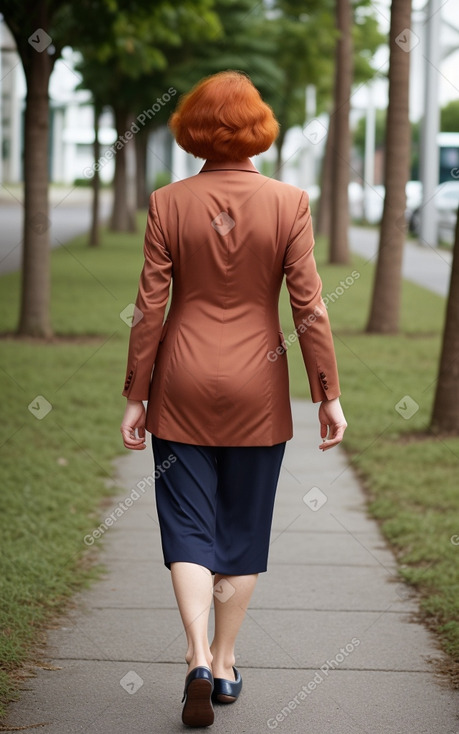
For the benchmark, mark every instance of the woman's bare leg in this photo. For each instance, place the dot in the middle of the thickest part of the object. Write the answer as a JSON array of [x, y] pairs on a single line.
[[193, 590], [229, 615]]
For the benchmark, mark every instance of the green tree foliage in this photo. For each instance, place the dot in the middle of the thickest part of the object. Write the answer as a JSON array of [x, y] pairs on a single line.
[[246, 43], [240, 38], [305, 37], [449, 117], [138, 42], [366, 38], [122, 67]]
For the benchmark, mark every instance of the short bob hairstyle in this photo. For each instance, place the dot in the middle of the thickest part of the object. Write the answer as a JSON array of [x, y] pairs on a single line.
[[224, 118]]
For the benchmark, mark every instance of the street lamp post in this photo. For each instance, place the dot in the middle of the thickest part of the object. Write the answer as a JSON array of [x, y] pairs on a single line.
[[369, 159], [430, 127]]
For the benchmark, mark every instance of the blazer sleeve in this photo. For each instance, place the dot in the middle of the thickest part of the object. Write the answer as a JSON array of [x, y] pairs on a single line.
[[151, 303], [310, 315]]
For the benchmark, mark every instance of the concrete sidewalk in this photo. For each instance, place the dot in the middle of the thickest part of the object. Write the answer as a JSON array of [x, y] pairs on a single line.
[[328, 645], [427, 266]]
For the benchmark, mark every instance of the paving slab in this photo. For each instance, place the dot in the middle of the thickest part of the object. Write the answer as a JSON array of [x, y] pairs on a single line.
[[363, 588], [311, 637], [317, 548], [132, 584]]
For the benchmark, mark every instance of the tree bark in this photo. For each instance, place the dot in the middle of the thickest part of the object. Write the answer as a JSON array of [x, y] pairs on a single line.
[[94, 233], [339, 243], [36, 283], [279, 146], [123, 214], [323, 219], [142, 192], [385, 307], [445, 416]]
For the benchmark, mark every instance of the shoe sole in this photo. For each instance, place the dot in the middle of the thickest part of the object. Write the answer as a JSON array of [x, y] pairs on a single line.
[[198, 710]]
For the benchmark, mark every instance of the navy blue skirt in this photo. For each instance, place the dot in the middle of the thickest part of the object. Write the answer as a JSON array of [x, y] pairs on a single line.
[[215, 504]]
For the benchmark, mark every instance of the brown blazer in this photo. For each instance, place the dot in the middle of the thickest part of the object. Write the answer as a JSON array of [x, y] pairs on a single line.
[[226, 237]]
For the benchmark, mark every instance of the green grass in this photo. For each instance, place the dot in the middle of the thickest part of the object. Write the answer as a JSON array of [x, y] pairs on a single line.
[[411, 476], [54, 470]]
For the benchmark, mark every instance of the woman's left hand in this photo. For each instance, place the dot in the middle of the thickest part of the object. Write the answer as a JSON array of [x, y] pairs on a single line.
[[332, 423], [134, 419]]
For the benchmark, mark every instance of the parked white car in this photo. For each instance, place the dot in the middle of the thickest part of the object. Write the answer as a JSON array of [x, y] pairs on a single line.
[[446, 200], [366, 203], [369, 203], [355, 196], [373, 203], [413, 191]]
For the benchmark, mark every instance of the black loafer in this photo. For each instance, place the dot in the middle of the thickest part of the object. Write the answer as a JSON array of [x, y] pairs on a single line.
[[227, 691], [198, 709]]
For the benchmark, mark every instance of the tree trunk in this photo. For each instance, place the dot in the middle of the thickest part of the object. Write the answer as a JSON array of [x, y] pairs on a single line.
[[34, 317], [94, 233], [385, 307], [142, 192], [123, 214], [279, 146], [323, 219], [339, 225], [445, 416]]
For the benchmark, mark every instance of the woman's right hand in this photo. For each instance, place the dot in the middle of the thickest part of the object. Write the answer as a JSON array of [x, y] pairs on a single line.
[[133, 425], [332, 423]]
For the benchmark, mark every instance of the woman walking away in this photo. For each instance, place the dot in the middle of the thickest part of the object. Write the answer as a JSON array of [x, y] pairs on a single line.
[[215, 372]]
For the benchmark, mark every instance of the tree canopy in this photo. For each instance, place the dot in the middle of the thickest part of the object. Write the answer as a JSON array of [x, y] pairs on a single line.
[[449, 117]]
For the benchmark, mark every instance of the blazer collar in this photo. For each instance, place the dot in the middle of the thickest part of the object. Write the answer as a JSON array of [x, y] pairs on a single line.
[[246, 165]]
